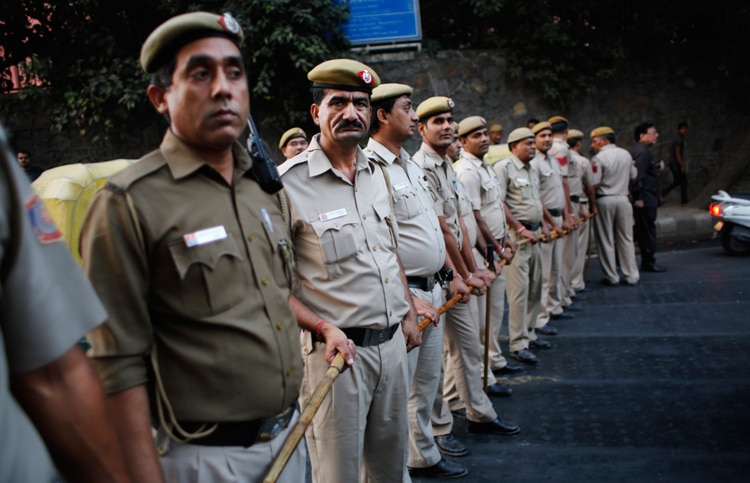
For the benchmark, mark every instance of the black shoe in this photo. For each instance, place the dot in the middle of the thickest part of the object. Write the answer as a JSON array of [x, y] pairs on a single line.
[[459, 413], [562, 316], [632, 284], [610, 283], [508, 368], [494, 427], [583, 290], [525, 356], [572, 308], [578, 298], [546, 330], [443, 469], [653, 268], [449, 445], [497, 390], [540, 344]]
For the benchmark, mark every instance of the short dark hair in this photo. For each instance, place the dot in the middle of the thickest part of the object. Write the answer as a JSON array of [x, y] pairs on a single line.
[[574, 141], [162, 77], [23, 151], [319, 93], [681, 125], [387, 106], [642, 128]]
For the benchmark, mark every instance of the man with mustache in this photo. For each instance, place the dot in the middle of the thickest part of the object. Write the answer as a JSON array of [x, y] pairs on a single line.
[[352, 289], [482, 186], [191, 258]]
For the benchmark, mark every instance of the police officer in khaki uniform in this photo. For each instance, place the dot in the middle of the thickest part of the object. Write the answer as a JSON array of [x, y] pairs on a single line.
[[422, 251], [569, 169], [519, 191], [583, 165], [191, 258], [461, 323], [352, 287], [293, 142], [612, 170], [552, 189], [482, 186]]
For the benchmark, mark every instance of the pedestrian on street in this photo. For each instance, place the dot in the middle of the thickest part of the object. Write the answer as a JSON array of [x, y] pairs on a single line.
[[678, 165]]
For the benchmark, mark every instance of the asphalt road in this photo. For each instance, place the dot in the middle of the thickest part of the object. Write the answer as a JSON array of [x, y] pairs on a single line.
[[647, 383]]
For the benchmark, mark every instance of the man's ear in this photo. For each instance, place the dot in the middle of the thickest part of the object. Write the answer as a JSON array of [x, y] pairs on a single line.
[[314, 109], [157, 95], [382, 116]]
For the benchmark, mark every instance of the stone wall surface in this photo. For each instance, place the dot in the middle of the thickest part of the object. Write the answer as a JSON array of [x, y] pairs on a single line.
[[479, 83]]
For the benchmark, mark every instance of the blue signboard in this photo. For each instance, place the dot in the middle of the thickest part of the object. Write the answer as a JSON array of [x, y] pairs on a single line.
[[383, 21]]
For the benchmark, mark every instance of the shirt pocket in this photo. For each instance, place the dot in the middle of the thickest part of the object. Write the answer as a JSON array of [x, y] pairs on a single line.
[[282, 255], [212, 278], [489, 191], [407, 206], [340, 239], [387, 227]]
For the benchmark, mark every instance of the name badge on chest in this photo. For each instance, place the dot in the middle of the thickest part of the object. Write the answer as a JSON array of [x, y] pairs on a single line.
[[202, 237]]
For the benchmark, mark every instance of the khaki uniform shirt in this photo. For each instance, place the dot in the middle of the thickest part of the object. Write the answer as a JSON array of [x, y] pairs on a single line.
[[519, 189], [550, 181], [345, 241], [199, 270], [612, 169], [568, 165], [584, 169], [421, 245], [482, 185], [444, 184], [467, 214]]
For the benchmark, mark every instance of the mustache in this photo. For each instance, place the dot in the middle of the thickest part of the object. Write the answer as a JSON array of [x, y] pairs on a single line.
[[353, 123]]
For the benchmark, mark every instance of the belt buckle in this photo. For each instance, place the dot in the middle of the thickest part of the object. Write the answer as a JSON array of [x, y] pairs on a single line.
[[271, 427], [383, 335]]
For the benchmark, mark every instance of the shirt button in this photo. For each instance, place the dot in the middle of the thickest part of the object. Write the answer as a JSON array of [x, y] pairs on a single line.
[[288, 372], [265, 280], [374, 248], [250, 237], [279, 325], [390, 313], [386, 280], [364, 217]]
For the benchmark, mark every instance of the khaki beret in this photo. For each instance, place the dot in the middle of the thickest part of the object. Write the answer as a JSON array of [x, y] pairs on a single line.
[[290, 134], [344, 74], [555, 119], [541, 126], [497, 127], [434, 106], [471, 124], [387, 91], [575, 134], [519, 134], [455, 128], [601, 131], [178, 31]]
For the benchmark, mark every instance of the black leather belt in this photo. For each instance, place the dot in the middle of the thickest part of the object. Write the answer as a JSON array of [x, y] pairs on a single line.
[[531, 226], [367, 337], [554, 212], [422, 283], [575, 198], [241, 433]]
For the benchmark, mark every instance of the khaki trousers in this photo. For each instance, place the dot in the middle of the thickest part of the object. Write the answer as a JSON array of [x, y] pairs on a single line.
[[360, 431], [577, 281], [614, 229], [569, 259], [463, 367], [497, 309], [551, 273], [523, 288], [193, 462], [425, 364]]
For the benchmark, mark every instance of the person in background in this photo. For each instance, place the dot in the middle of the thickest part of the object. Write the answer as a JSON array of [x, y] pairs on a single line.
[[678, 165], [24, 160], [293, 142]]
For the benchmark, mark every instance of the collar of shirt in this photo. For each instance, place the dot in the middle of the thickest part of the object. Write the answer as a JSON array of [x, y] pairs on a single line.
[[432, 154], [184, 161], [474, 160], [318, 163], [385, 154], [518, 163]]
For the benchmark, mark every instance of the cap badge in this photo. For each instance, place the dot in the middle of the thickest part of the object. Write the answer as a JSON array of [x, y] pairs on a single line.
[[229, 23], [451, 104], [365, 76]]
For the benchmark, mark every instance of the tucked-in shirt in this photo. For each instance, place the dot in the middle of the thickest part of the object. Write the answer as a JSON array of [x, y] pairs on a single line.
[[519, 189], [612, 168], [345, 240], [550, 181], [482, 185], [421, 245], [584, 169], [568, 165], [200, 271], [444, 184]]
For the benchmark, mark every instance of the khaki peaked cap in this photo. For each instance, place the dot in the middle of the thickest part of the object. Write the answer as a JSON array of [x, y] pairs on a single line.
[[169, 37], [575, 134], [497, 127], [601, 131], [344, 74], [434, 106], [555, 119], [387, 91], [519, 134], [541, 126], [290, 134], [471, 124]]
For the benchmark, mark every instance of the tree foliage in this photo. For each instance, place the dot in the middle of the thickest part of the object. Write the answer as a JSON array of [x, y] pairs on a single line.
[[84, 55], [565, 49]]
